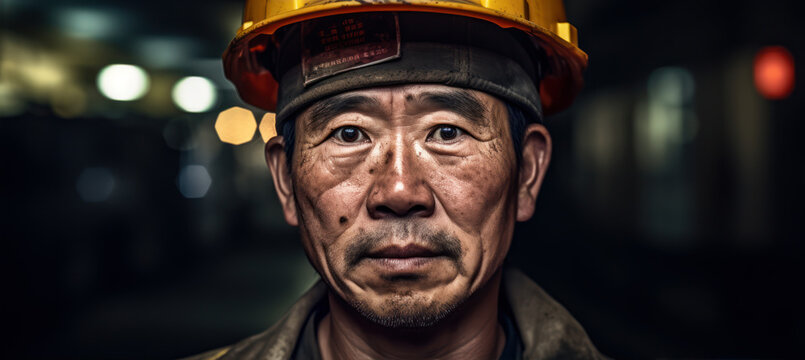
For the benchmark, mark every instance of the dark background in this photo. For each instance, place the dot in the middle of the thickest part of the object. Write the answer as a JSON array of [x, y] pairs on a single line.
[[669, 223]]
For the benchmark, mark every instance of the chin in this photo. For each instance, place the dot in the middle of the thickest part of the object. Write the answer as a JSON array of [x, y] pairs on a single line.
[[408, 309]]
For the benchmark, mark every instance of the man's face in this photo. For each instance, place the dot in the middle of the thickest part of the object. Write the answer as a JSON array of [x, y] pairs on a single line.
[[406, 197]]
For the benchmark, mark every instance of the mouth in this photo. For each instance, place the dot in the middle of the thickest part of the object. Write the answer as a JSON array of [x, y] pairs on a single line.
[[397, 252], [409, 259]]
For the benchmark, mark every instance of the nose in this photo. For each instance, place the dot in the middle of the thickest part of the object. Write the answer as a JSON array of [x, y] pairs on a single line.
[[399, 188]]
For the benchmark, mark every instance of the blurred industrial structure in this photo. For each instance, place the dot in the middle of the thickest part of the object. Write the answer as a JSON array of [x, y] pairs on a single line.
[[142, 222]]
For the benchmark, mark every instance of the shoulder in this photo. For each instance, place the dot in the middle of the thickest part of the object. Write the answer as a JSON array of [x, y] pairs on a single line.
[[279, 341], [209, 355], [547, 329]]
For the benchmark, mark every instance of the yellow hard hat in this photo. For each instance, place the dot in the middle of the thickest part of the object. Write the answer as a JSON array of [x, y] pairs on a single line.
[[543, 20]]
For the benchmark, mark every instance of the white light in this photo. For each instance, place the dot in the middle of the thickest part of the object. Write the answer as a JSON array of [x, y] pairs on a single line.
[[671, 86], [194, 181], [123, 82], [165, 52], [194, 94], [666, 120], [88, 23], [95, 184]]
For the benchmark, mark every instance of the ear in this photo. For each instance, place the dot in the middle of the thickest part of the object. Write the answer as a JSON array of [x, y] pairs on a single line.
[[277, 163], [536, 156]]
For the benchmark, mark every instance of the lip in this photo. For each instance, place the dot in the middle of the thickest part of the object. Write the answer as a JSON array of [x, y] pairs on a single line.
[[408, 251], [409, 259]]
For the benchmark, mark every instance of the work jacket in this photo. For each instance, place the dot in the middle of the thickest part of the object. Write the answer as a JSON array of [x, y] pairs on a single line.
[[546, 329]]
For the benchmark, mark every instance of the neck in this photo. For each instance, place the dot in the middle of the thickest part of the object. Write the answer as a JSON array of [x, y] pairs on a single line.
[[471, 331]]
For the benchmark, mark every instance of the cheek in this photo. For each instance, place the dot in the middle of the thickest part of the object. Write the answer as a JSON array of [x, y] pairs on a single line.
[[476, 190], [478, 195], [329, 195]]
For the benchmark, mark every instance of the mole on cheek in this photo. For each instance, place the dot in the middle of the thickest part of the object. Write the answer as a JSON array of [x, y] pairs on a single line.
[[389, 155], [371, 171], [343, 219]]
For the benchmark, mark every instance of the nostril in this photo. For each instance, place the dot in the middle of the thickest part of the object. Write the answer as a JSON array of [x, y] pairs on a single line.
[[387, 211], [417, 209]]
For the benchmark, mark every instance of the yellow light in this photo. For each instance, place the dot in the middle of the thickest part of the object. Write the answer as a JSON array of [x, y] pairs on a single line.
[[11, 101], [43, 75], [268, 126], [235, 125], [69, 102]]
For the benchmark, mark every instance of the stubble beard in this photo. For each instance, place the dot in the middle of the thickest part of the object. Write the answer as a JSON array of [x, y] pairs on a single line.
[[407, 308], [407, 311]]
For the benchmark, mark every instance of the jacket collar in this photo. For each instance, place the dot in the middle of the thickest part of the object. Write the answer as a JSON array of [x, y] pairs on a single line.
[[547, 330]]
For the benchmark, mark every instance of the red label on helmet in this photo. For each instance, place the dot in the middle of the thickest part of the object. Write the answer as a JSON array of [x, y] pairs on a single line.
[[336, 44]]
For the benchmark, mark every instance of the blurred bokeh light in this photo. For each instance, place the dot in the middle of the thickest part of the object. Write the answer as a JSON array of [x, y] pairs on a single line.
[[235, 125], [268, 126], [194, 94], [89, 22], [95, 184], [70, 101], [774, 72], [194, 181], [123, 82]]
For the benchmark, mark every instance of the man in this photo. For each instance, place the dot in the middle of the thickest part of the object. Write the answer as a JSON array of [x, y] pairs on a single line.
[[411, 142]]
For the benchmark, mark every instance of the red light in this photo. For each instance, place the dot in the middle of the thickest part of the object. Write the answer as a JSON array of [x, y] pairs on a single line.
[[774, 72]]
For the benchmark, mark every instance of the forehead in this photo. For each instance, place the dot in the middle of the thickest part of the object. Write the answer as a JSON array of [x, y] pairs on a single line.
[[471, 105]]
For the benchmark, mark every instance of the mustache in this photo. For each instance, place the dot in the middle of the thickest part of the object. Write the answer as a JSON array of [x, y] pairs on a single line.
[[438, 240]]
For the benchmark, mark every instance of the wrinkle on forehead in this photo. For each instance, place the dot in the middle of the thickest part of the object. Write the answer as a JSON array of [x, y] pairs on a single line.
[[459, 101], [325, 110]]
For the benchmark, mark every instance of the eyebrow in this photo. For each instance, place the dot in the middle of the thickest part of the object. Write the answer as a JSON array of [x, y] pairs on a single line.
[[325, 110], [459, 101]]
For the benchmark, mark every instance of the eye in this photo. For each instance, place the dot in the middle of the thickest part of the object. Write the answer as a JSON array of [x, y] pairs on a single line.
[[446, 133], [349, 134]]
